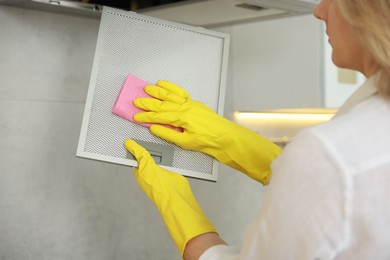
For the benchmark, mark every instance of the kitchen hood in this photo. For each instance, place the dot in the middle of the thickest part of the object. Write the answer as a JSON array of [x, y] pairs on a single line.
[[79, 7], [222, 12], [203, 13]]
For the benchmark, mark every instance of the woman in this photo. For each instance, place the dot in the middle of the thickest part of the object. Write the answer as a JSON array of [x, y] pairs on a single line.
[[327, 198]]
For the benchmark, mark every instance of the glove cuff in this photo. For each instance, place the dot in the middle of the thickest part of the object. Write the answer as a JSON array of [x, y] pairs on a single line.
[[184, 218], [247, 152]]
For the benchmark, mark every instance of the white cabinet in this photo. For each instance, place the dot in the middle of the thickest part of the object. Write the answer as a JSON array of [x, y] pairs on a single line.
[[284, 63], [276, 64]]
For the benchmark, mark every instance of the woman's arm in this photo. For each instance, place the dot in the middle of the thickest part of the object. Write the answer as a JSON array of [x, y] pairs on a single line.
[[199, 244]]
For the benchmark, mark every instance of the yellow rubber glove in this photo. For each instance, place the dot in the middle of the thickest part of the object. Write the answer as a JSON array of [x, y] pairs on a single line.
[[172, 195], [206, 131]]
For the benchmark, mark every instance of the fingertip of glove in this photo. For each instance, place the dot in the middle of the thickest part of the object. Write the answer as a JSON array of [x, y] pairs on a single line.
[[135, 118], [153, 127], [140, 103], [128, 144], [162, 81], [148, 88], [136, 102], [156, 129], [166, 84]]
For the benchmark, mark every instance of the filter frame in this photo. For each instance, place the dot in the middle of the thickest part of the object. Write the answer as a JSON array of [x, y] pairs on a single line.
[[193, 57]]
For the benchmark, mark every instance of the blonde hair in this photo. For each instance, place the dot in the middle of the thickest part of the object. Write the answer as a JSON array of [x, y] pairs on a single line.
[[371, 21]]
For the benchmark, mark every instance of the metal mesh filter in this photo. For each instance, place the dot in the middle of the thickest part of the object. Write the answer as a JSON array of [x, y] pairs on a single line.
[[152, 49]]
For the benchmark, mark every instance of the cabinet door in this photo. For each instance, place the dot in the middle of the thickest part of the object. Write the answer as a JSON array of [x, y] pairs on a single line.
[[276, 64]]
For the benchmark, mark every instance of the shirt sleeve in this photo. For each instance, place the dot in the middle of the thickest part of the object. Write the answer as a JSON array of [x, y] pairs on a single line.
[[220, 252], [304, 210]]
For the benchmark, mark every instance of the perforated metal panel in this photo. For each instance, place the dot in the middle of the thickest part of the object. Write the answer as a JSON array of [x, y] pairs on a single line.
[[152, 49]]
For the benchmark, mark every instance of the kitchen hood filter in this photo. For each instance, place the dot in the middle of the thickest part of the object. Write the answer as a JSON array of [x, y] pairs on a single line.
[[151, 49]]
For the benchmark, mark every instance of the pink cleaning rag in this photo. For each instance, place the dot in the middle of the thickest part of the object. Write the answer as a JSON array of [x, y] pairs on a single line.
[[132, 89]]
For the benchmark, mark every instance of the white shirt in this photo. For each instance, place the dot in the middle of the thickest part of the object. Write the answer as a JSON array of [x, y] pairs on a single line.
[[329, 196]]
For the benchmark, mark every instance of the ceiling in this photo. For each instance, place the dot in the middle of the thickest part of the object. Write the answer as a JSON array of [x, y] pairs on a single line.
[[202, 13], [133, 5]]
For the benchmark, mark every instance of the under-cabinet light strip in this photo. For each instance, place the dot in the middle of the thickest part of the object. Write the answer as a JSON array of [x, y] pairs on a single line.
[[284, 116]]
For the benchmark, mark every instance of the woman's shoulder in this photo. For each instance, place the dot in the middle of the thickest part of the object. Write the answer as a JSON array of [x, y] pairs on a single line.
[[355, 138]]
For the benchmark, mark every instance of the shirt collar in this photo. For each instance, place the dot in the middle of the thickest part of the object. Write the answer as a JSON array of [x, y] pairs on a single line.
[[365, 91]]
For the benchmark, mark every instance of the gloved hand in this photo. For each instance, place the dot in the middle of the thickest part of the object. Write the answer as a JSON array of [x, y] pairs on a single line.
[[172, 195], [205, 131]]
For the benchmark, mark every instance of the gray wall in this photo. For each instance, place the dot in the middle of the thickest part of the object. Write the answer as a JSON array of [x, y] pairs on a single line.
[[54, 205]]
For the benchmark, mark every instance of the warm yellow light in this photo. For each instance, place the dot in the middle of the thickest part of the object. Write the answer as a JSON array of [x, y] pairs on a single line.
[[280, 126], [291, 114], [284, 116]]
